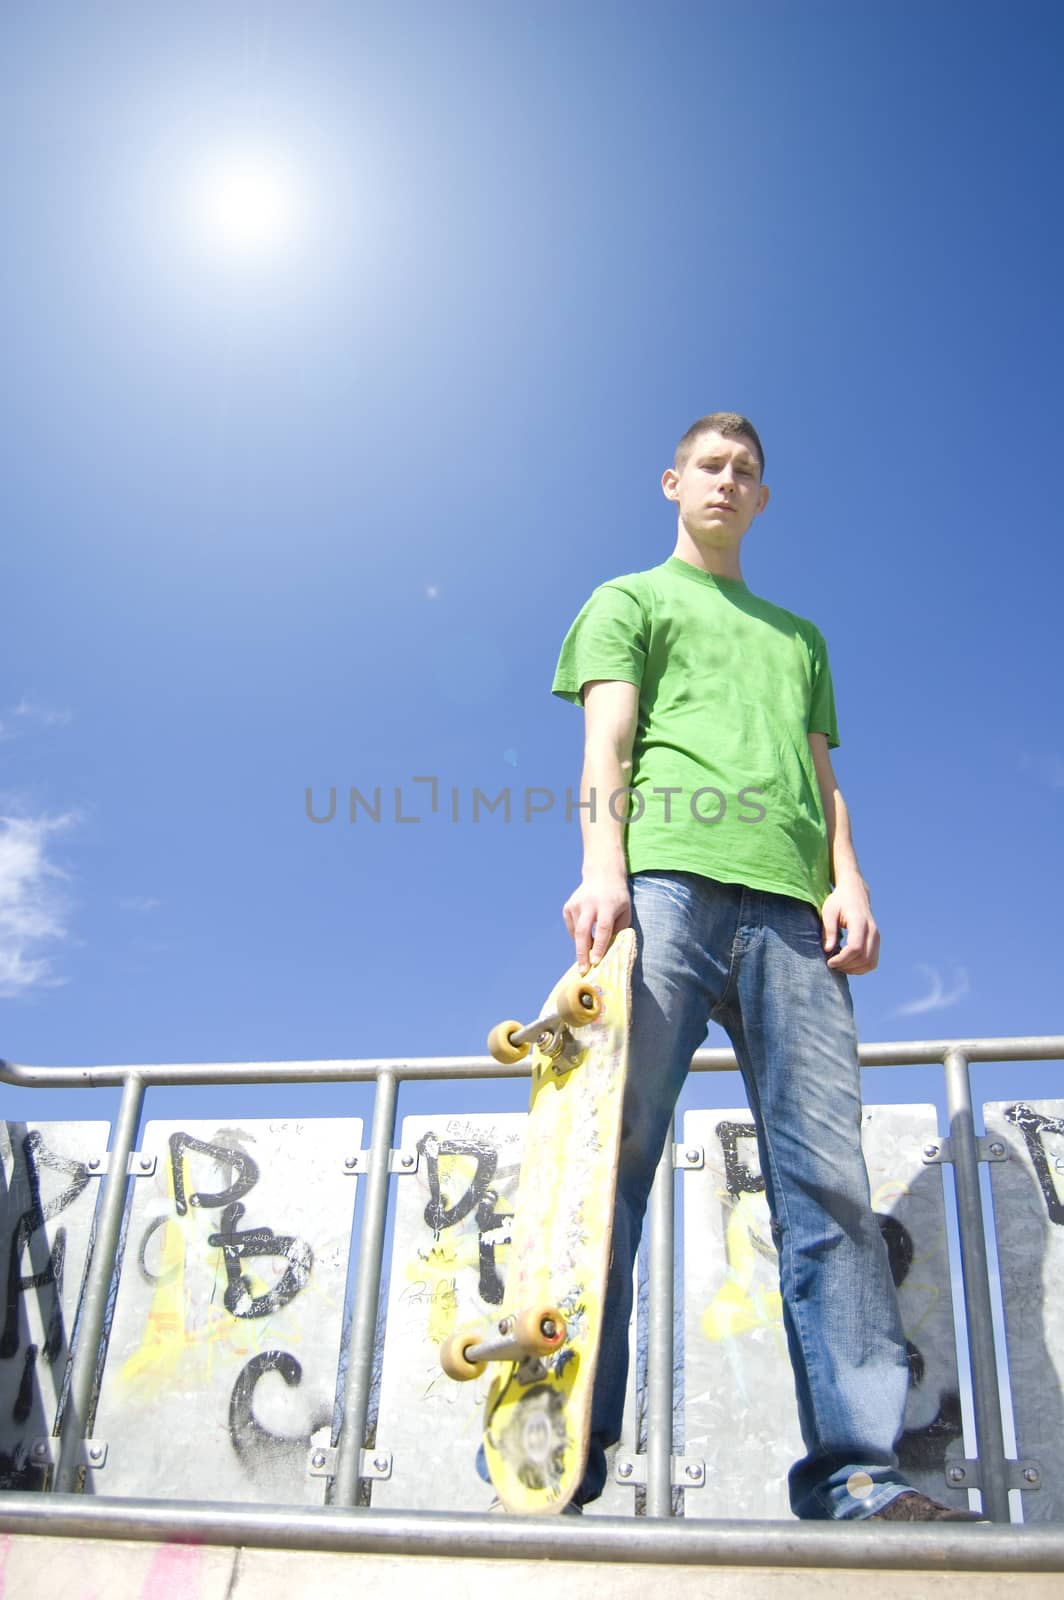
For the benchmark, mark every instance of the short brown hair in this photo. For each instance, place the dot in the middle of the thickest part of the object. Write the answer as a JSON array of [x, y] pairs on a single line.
[[730, 425]]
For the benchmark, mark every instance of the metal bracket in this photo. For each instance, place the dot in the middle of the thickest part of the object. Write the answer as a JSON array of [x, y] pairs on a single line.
[[940, 1151], [991, 1149], [376, 1464], [401, 1161], [1021, 1474], [91, 1452], [137, 1166], [631, 1470], [321, 1461], [688, 1157], [686, 1472]]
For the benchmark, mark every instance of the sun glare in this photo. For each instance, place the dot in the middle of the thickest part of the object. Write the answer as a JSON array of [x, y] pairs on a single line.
[[247, 206]]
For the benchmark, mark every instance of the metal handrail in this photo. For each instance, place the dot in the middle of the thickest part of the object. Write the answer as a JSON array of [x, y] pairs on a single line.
[[937, 1547], [896, 1053], [55, 1512]]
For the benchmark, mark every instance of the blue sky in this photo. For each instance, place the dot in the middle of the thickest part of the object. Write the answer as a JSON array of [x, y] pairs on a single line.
[[317, 511]]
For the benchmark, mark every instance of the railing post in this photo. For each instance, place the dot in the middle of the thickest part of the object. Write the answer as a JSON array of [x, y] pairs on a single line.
[[367, 1295], [660, 1353], [88, 1331], [986, 1398]]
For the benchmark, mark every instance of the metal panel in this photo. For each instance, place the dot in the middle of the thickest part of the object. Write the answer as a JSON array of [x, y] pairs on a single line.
[[449, 1249], [1028, 1191], [47, 1206], [221, 1368], [448, 1269], [740, 1408]]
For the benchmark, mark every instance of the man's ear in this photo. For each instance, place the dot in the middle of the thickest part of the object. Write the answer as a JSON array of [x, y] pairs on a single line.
[[762, 499], [669, 479]]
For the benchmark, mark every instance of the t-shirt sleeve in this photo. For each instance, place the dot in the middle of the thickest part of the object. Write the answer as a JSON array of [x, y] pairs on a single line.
[[607, 640], [822, 717]]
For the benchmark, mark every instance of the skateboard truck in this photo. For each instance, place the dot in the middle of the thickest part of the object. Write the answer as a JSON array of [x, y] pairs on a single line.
[[576, 1003], [527, 1333]]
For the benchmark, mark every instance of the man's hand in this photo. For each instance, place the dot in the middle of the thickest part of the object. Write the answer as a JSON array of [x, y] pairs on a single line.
[[601, 905], [847, 908]]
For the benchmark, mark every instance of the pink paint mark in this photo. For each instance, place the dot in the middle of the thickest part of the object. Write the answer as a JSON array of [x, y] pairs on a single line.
[[174, 1574]]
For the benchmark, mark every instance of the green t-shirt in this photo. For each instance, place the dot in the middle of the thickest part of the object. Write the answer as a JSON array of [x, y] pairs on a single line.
[[729, 688]]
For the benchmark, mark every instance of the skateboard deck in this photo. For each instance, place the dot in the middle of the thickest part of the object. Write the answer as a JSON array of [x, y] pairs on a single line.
[[538, 1412]]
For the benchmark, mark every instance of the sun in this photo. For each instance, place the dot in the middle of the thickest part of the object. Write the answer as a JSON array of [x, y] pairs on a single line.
[[247, 205]]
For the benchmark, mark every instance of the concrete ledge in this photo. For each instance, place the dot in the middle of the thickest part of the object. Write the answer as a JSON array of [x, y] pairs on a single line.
[[107, 1569]]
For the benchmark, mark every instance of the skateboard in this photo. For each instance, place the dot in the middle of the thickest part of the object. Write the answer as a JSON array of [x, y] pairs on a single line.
[[538, 1412]]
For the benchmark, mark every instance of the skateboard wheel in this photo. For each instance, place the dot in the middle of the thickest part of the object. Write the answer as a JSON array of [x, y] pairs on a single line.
[[500, 1047], [541, 1331], [578, 1002], [453, 1357]]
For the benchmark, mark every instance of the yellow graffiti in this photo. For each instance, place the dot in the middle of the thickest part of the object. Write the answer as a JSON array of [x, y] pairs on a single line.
[[433, 1276], [742, 1304], [168, 1341], [184, 1339]]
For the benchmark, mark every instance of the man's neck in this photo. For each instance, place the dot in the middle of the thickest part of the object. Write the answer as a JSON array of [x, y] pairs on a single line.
[[720, 562]]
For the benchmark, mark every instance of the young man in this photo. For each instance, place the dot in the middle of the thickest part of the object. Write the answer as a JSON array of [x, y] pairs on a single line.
[[712, 824]]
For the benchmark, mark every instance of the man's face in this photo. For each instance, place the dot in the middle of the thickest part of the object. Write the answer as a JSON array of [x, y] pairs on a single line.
[[719, 491]]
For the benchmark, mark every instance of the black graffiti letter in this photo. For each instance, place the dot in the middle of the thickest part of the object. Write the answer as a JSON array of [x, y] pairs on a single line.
[[489, 1223], [1032, 1125], [737, 1174], [237, 1247], [477, 1194], [251, 1440], [245, 1172], [36, 1155], [438, 1214]]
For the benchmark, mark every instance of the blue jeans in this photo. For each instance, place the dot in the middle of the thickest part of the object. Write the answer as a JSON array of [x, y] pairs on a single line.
[[754, 963]]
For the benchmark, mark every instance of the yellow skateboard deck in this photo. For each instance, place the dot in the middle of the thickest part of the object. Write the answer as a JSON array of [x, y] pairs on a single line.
[[538, 1413]]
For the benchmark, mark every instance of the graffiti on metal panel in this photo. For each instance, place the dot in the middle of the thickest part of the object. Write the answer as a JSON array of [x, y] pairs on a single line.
[[1034, 1126], [750, 1298], [184, 1335], [47, 1280], [245, 1172], [254, 1444], [739, 1178], [37, 1156], [238, 1247], [465, 1183]]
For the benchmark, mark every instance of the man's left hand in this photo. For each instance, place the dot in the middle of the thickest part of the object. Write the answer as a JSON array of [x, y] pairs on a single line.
[[847, 909]]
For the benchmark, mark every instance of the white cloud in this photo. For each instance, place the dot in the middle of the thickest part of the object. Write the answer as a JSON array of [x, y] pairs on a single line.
[[938, 996], [33, 908], [29, 712], [48, 716], [138, 902]]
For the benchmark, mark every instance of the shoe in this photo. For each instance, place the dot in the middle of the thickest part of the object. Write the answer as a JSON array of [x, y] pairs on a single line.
[[911, 1506]]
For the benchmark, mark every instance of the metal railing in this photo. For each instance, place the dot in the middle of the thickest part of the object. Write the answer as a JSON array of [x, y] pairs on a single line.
[[658, 1537]]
